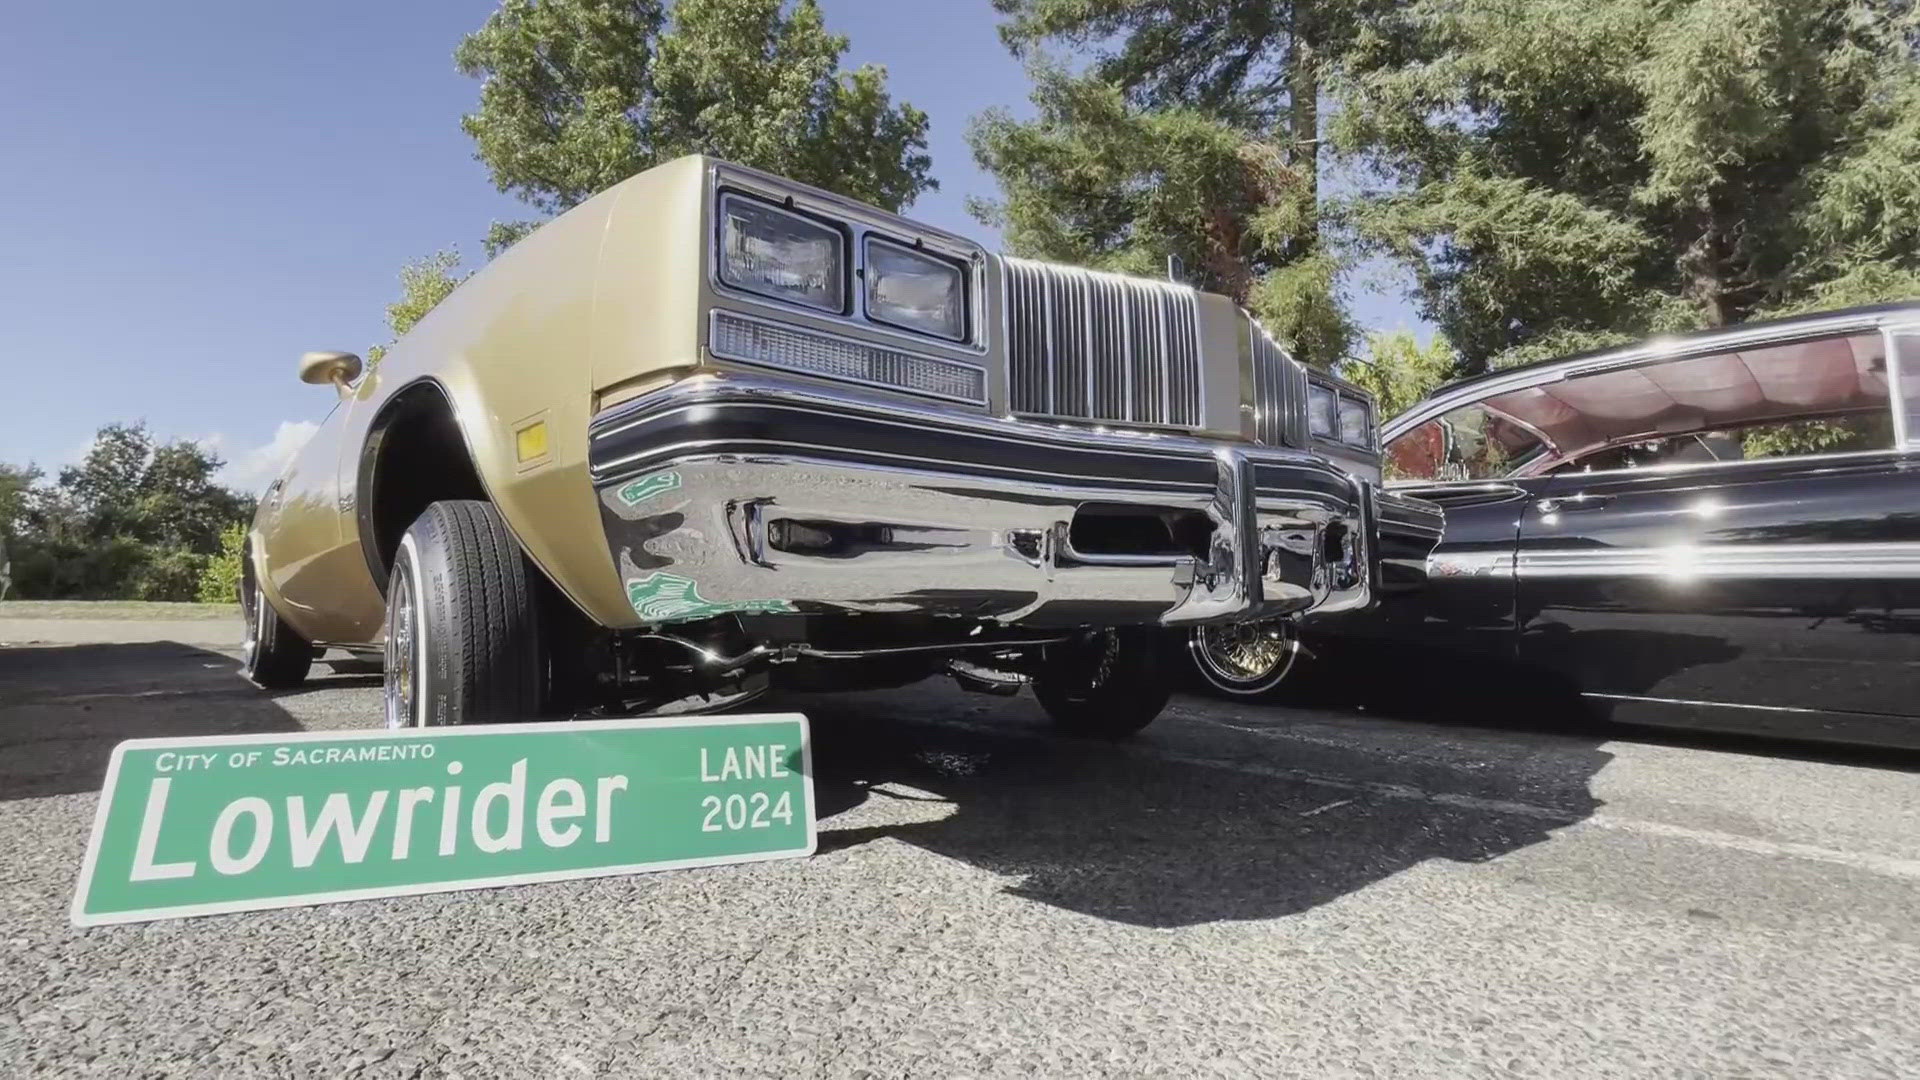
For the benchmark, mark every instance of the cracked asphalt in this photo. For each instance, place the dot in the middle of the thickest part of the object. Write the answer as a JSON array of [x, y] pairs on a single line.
[[1242, 890]]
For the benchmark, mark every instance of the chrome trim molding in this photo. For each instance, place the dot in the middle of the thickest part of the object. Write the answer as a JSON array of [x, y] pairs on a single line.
[[1864, 561], [1462, 487], [1670, 468], [1682, 562]]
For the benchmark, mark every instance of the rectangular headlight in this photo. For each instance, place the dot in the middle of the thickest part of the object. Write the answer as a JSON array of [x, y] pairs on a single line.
[[1353, 422], [777, 253], [1322, 415], [769, 344], [915, 291]]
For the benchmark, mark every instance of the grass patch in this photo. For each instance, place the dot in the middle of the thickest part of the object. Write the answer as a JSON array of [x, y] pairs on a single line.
[[113, 609]]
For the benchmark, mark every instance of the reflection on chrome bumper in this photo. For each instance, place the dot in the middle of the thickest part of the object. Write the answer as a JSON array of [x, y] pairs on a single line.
[[757, 495]]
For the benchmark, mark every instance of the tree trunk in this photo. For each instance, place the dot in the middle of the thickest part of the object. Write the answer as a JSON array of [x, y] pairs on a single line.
[[1303, 121], [1223, 258], [1703, 264]]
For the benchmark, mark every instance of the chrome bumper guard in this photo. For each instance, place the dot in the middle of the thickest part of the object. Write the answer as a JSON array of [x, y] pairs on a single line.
[[752, 495]]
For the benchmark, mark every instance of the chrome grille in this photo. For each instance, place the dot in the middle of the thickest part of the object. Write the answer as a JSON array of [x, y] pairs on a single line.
[[1094, 346], [1279, 391]]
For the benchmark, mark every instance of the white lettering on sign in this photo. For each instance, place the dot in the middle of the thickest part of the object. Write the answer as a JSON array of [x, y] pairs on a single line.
[[403, 820], [514, 791], [350, 755], [335, 816], [450, 812], [550, 811], [353, 828], [144, 868], [603, 825], [177, 762], [746, 763], [736, 811], [220, 849]]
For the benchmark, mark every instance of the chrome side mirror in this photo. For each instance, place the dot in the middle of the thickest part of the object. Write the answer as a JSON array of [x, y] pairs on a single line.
[[338, 368]]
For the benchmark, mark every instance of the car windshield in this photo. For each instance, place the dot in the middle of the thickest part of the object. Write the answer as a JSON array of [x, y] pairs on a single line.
[[1473, 442]]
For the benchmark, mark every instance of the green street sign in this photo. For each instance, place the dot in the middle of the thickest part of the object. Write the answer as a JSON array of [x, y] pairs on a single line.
[[244, 822]]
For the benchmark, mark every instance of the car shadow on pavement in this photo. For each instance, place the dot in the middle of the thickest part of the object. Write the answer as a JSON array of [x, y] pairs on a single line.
[[64, 708], [1192, 821]]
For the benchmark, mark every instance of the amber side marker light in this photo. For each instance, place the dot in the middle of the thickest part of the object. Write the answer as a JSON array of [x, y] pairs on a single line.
[[530, 442]]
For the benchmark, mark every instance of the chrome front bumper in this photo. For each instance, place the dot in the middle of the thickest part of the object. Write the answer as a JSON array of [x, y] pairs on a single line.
[[757, 495]]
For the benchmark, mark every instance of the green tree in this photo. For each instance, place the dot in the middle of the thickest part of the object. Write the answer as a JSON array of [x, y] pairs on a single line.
[[578, 95], [1816, 437], [105, 487], [1194, 133], [16, 491], [219, 581], [1398, 371], [1099, 181], [131, 520], [1561, 174], [1259, 66], [424, 282], [179, 505]]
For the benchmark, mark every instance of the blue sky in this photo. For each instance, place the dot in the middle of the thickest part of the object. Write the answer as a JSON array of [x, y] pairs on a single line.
[[193, 194]]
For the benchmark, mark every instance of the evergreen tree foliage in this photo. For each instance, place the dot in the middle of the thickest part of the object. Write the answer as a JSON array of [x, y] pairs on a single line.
[[1562, 174], [1192, 133]]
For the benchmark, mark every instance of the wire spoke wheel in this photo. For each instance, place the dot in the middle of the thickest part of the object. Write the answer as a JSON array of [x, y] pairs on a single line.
[[1246, 658], [398, 685]]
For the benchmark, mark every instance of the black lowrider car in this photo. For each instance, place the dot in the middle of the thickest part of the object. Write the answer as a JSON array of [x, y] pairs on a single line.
[[1720, 530]]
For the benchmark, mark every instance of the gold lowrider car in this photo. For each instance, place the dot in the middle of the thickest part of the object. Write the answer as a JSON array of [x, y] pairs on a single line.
[[713, 431]]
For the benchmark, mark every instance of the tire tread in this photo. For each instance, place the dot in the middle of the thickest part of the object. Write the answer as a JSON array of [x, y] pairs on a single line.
[[1134, 693], [486, 620]]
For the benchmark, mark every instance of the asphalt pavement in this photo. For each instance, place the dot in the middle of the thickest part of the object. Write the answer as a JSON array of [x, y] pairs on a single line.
[[1240, 891]]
